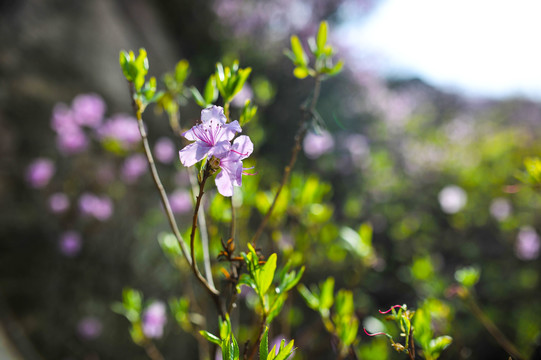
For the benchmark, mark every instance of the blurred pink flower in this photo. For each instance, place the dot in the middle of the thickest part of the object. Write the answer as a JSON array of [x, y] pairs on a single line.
[[452, 199], [500, 208], [62, 120], [528, 244], [180, 201], [244, 94], [89, 328], [59, 202], [154, 320], [101, 208], [88, 110], [72, 141], [40, 172], [315, 145], [133, 167], [70, 243], [164, 150], [122, 128]]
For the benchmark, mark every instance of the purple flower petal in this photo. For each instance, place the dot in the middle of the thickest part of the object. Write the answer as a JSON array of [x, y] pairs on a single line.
[[70, 243], [59, 202], [224, 183], [154, 320], [193, 153], [40, 172], [213, 113]]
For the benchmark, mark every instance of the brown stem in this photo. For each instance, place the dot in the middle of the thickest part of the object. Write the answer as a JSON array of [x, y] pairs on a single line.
[[152, 351], [411, 350], [154, 172], [294, 153], [215, 294], [504, 342], [232, 219], [202, 230], [254, 348]]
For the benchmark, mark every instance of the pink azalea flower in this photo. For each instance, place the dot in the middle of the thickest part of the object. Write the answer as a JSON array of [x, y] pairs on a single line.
[[231, 165], [212, 137], [40, 172], [154, 320], [88, 109]]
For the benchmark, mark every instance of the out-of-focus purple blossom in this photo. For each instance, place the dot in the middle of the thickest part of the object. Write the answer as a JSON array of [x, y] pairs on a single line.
[[244, 94], [164, 150], [315, 145], [62, 120], [528, 244], [98, 207], [154, 320], [59, 202], [89, 328], [357, 146], [452, 199], [500, 208], [70, 243], [88, 110], [211, 138], [231, 165], [122, 128], [180, 201], [133, 167], [40, 172], [71, 142]]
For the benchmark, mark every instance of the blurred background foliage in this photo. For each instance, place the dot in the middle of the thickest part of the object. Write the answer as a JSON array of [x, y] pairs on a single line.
[[400, 184]]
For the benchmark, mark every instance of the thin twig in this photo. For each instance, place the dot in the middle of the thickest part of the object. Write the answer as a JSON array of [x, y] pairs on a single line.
[[504, 342], [215, 294], [203, 233], [232, 219], [152, 351], [254, 348], [156, 178], [294, 153]]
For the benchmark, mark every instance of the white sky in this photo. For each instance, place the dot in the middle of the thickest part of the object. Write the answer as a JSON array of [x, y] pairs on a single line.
[[481, 47]]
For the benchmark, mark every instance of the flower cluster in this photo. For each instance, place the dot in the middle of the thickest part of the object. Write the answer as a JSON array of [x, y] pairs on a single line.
[[212, 140]]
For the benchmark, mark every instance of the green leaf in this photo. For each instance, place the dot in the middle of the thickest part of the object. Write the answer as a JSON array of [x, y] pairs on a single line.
[[267, 274], [289, 280], [439, 344], [311, 300], [197, 97], [246, 280], [124, 64], [300, 72], [326, 298], [182, 70], [210, 337], [468, 276], [286, 351], [423, 333], [276, 307], [243, 75], [336, 69], [264, 345], [211, 92], [300, 56], [321, 39]]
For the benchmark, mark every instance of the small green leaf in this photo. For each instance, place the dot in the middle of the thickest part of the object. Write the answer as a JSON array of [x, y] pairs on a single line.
[[267, 274], [182, 70], [211, 92], [321, 40], [286, 351], [300, 56], [326, 299], [300, 72], [311, 300], [264, 345], [468, 276], [210, 337], [197, 97], [439, 344]]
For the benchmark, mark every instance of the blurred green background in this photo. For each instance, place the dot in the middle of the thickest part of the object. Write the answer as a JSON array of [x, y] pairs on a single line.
[[432, 173]]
